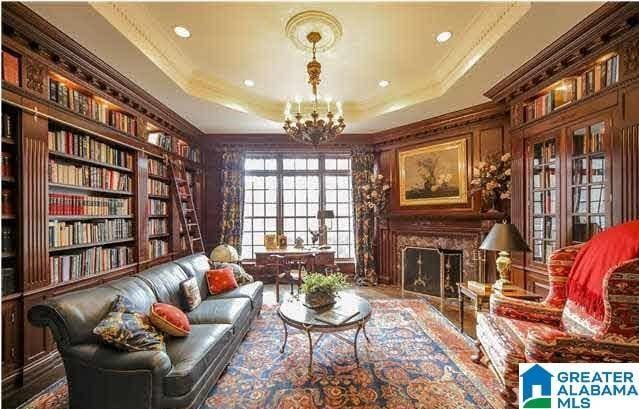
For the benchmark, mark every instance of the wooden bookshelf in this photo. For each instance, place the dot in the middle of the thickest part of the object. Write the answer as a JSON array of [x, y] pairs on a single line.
[[159, 223], [10, 204]]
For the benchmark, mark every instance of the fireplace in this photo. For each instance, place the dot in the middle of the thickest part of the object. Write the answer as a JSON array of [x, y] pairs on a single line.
[[431, 271]]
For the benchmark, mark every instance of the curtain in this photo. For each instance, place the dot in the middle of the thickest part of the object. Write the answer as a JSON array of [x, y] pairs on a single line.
[[362, 165], [232, 199]]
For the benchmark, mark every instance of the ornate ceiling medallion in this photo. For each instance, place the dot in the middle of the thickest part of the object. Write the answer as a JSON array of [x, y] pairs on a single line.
[[328, 27]]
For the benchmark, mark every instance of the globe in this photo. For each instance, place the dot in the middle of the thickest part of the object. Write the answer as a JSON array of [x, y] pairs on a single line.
[[225, 253]]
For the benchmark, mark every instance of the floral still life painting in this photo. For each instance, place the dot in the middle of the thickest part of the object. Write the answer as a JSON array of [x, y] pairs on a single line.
[[434, 174]]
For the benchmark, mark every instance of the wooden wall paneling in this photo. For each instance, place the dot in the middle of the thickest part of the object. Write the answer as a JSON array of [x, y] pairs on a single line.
[[35, 339], [491, 142], [626, 169], [11, 335], [34, 200], [212, 196]]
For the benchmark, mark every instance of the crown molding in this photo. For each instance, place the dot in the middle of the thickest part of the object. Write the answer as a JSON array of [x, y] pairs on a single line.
[[134, 21], [605, 28], [26, 27]]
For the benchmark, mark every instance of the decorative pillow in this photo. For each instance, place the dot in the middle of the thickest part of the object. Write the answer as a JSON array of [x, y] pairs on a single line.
[[126, 329], [221, 280], [241, 276], [170, 319], [190, 293]]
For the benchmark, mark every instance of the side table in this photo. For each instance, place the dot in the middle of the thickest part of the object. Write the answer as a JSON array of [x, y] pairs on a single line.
[[482, 298]]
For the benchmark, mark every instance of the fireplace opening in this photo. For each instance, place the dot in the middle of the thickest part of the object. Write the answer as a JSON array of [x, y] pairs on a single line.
[[431, 271]]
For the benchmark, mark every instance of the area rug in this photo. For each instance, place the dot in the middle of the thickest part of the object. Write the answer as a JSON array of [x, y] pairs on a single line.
[[415, 359]]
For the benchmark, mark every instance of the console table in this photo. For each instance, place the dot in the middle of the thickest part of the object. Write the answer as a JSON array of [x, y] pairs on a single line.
[[321, 258]]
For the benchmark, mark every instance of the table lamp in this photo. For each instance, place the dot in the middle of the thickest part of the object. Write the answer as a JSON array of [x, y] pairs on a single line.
[[322, 215], [504, 238]]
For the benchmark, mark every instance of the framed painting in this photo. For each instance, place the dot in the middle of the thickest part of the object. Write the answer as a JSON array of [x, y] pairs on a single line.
[[433, 174]]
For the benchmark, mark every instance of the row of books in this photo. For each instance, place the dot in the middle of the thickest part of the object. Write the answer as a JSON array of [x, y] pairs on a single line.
[[61, 204], [157, 187], [158, 168], [89, 176], [72, 233], [601, 75], [88, 106], [157, 207], [7, 164], [8, 202], [88, 262], [9, 281], [160, 139], [9, 125], [158, 248], [8, 238], [188, 152], [157, 226], [87, 147]]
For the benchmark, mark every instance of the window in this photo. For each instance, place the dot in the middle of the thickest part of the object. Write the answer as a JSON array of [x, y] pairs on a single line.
[[284, 193]]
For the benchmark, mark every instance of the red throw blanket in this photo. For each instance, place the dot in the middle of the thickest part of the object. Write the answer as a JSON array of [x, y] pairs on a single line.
[[604, 251]]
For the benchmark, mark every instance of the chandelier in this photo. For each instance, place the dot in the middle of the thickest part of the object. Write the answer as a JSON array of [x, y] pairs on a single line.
[[314, 130]]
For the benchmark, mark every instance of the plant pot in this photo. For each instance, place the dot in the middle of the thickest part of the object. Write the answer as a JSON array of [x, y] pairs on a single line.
[[319, 299]]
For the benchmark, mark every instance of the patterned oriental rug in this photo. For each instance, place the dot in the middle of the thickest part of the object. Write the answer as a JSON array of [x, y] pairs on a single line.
[[416, 359]]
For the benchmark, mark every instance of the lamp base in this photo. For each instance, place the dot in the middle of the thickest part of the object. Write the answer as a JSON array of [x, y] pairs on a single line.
[[504, 286]]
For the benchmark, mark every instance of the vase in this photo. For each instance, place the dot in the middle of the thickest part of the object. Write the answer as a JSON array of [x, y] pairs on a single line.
[[319, 299]]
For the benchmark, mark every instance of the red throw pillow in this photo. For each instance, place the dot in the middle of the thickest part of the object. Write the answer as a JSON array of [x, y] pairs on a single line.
[[170, 319], [221, 280]]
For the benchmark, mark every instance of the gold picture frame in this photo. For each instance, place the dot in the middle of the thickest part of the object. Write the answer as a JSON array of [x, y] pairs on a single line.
[[271, 242], [434, 174]]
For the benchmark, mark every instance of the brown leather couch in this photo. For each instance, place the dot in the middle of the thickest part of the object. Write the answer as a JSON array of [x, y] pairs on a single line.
[[100, 377]]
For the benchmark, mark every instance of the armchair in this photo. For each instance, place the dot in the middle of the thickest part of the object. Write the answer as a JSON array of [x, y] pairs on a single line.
[[557, 330]]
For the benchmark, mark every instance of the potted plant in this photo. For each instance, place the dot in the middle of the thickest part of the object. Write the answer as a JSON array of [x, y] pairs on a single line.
[[320, 289]]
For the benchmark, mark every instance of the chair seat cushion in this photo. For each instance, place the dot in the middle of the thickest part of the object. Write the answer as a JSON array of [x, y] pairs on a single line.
[[504, 340], [192, 355], [235, 312], [252, 291]]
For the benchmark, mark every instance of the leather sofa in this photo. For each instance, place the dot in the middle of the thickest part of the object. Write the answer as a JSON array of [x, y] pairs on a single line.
[[101, 377]]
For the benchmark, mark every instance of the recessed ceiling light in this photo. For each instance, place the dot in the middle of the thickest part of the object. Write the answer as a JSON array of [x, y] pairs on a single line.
[[444, 36], [182, 31], [383, 83], [249, 83]]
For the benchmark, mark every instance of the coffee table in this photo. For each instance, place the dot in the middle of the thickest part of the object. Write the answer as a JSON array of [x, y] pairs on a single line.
[[295, 314]]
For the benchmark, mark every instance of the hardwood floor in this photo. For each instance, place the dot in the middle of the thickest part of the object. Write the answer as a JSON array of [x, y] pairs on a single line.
[[383, 292]]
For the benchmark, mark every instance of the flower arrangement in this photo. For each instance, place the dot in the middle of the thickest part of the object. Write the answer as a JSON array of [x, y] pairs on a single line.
[[375, 192], [492, 179], [321, 289], [436, 176]]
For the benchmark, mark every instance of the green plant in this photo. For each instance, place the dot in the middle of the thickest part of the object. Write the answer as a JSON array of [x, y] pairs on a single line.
[[320, 283]]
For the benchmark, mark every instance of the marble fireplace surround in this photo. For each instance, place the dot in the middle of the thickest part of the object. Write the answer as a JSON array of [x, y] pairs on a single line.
[[467, 242]]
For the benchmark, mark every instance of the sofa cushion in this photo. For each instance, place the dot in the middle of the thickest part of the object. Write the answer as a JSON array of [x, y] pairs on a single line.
[[191, 297], [196, 266], [136, 291], [221, 280], [235, 312], [252, 291], [192, 355], [170, 319], [165, 281], [128, 329], [241, 276]]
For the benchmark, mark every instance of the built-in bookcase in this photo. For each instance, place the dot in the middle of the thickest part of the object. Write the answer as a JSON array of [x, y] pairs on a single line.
[[11, 182], [158, 208]]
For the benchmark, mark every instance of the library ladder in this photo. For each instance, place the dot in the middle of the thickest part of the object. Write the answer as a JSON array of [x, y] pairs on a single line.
[[186, 207]]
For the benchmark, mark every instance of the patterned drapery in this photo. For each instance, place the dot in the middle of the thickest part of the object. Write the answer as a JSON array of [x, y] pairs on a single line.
[[362, 164], [232, 199]]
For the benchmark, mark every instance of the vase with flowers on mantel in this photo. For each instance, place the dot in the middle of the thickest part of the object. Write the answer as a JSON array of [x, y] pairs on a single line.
[[491, 178]]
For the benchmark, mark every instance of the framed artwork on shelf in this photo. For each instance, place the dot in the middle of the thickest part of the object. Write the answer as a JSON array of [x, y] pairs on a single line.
[[434, 174], [271, 242]]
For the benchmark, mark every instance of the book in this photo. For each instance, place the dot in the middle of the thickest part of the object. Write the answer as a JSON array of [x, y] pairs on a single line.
[[337, 315]]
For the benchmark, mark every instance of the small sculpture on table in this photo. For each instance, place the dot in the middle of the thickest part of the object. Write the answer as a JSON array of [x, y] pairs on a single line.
[[315, 235], [299, 243]]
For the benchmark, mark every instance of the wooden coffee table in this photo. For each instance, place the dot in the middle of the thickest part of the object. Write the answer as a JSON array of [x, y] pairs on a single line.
[[295, 314]]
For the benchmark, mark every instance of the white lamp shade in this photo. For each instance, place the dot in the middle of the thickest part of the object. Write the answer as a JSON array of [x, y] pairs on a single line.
[[225, 254]]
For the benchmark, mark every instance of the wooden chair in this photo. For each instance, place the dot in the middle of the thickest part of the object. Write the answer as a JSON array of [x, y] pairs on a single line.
[[292, 269]]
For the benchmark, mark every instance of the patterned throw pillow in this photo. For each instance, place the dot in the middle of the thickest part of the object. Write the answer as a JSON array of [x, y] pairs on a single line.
[[241, 276], [170, 319], [127, 329], [191, 293], [221, 280]]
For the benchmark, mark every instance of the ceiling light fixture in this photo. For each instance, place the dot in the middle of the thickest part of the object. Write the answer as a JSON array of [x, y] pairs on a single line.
[[249, 83], [444, 36], [383, 83], [182, 31], [313, 131]]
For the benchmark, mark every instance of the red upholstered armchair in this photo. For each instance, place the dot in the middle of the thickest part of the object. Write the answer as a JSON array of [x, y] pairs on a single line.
[[557, 330]]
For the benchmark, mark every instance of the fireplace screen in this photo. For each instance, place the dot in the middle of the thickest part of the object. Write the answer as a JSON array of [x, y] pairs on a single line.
[[431, 271]]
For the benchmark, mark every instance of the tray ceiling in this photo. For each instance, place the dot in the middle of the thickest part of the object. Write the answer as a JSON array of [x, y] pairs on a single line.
[[232, 42]]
